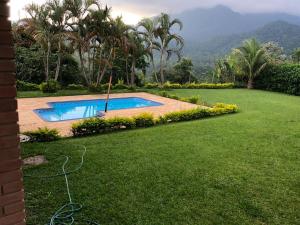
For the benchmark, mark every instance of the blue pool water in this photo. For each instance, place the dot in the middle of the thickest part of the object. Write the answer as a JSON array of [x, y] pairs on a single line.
[[71, 110]]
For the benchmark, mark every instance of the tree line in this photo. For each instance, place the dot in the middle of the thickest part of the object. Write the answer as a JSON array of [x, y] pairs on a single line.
[[101, 44]]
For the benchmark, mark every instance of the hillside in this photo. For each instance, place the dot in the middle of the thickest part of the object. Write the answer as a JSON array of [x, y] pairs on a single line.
[[204, 53], [204, 24]]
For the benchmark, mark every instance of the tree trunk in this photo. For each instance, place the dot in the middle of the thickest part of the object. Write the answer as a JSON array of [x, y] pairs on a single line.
[[154, 70], [102, 73], [127, 76], [47, 61], [133, 72], [250, 83], [162, 79], [58, 61], [82, 67]]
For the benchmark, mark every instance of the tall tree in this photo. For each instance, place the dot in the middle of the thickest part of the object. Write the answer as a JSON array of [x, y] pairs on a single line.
[[81, 35], [39, 27], [58, 17], [137, 51], [169, 43], [274, 53], [147, 29], [251, 58]]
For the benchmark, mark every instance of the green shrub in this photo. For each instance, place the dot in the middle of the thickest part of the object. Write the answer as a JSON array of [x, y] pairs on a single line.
[[75, 87], [119, 123], [43, 135], [104, 86], [26, 86], [144, 120], [99, 125], [169, 85], [193, 99], [95, 88], [151, 85], [51, 86], [198, 113], [132, 88], [164, 94], [283, 78], [89, 127], [120, 86], [174, 97]]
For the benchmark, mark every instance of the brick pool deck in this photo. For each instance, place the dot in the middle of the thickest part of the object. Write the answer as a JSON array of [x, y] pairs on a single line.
[[29, 120]]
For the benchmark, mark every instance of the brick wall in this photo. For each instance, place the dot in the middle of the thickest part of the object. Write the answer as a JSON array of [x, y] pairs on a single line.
[[11, 187]]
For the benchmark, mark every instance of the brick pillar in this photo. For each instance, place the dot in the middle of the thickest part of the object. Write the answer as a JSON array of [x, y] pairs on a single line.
[[11, 186]]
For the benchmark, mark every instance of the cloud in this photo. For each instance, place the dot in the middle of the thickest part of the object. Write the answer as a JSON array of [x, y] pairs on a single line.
[[152, 7], [133, 10]]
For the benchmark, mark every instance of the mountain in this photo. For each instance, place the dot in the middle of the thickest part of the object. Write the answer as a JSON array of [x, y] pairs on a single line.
[[204, 24], [205, 53]]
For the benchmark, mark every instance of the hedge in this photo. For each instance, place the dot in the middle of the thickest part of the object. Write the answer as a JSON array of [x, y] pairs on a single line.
[[194, 114], [283, 78], [100, 125], [209, 86], [169, 85], [193, 99], [26, 86]]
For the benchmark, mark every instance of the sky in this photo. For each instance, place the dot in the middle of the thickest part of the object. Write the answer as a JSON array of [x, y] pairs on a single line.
[[134, 10]]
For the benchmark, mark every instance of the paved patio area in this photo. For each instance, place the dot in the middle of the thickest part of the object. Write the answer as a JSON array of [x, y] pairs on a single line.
[[29, 120]]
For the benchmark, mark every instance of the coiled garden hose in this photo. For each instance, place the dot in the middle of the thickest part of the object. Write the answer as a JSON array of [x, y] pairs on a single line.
[[65, 215]]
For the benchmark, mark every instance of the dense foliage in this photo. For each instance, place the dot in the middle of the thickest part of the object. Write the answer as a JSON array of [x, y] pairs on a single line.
[[182, 72], [281, 78], [26, 86], [57, 34]]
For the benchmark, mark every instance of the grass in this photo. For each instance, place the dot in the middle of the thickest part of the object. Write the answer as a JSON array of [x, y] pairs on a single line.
[[235, 169]]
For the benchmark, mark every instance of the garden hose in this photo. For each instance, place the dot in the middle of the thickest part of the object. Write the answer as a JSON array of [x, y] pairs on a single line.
[[65, 215]]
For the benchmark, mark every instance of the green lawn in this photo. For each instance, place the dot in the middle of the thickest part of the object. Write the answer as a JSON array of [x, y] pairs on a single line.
[[235, 169]]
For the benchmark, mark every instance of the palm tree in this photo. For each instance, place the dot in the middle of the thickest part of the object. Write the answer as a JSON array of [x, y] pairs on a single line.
[[117, 39], [39, 27], [99, 24], [136, 51], [58, 18], [251, 58], [81, 35], [167, 40], [148, 28], [296, 55]]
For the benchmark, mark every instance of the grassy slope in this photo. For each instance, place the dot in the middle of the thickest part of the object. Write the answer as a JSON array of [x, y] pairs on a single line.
[[236, 169]]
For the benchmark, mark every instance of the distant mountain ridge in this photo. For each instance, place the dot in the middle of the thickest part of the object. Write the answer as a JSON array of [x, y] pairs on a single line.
[[205, 24], [204, 53]]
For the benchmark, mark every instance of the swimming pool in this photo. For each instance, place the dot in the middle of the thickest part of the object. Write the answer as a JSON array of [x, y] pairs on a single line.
[[71, 110]]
